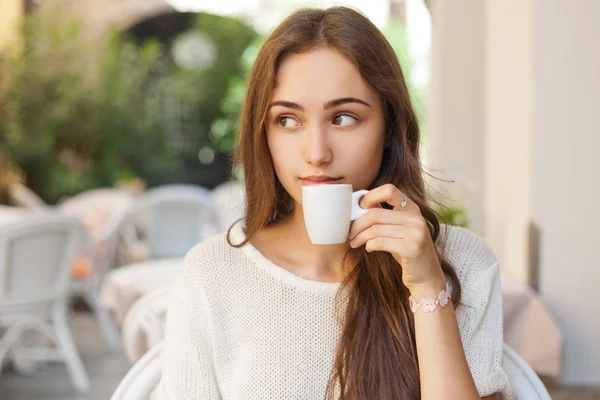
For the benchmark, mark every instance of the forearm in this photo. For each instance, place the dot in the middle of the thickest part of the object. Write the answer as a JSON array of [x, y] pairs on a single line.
[[444, 372]]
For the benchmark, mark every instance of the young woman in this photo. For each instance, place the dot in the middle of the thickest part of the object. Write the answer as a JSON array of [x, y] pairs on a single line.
[[262, 313]]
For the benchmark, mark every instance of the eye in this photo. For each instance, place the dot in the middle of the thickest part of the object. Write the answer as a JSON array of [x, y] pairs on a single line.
[[287, 122], [344, 120]]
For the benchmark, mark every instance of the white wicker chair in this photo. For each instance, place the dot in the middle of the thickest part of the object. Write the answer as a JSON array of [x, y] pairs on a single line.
[[144, 324], [526, 384], [142, 378], [145, 375], [36, 254], [177, 217], [101, 250]]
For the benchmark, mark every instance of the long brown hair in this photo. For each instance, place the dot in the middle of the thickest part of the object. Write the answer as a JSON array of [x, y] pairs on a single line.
[[376, 356]]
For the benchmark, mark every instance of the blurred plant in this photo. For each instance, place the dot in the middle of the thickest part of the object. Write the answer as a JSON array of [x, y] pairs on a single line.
[[223, 131], [70, 124], [451, 215], [71, 119], [210, 95], [395, 33]]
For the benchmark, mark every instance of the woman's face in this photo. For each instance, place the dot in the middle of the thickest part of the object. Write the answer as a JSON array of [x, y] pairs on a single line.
[[324, 124]]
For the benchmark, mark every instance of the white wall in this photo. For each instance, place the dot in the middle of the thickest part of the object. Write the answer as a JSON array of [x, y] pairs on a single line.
[[566, 174]]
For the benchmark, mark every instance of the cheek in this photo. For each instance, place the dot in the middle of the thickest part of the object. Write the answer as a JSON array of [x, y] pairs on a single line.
[[362, 160], [282, 155], [287, 162]]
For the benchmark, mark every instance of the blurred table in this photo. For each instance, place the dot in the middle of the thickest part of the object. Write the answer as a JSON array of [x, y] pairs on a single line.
[[123, 286], [530, 329]]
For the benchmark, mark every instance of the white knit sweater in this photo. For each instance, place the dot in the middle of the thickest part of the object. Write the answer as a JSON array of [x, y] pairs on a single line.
[[240, 327]]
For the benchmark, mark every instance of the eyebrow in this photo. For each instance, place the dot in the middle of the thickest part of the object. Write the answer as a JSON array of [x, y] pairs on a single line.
[[330, 104]]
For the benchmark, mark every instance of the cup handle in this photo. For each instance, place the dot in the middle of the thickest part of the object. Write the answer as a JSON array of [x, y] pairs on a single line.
[[357, 210]]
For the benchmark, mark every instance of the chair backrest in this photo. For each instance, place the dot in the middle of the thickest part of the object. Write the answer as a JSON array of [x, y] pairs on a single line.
[[36, 254], [142, 378], [178, 217], [525, 382], [104, 212], [145, 375], [144, 324], [22, 196]]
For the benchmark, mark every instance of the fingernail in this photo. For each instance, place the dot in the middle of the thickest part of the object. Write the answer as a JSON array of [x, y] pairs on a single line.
[[352, 243]]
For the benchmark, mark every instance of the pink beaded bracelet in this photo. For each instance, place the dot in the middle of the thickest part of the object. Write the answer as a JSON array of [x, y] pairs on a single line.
[[429, 304]]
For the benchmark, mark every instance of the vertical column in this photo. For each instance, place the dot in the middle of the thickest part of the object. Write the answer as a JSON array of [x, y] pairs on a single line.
[[455, 118], [508, 132]]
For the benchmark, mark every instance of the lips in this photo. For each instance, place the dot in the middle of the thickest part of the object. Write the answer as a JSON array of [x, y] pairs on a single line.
[[320, 180]]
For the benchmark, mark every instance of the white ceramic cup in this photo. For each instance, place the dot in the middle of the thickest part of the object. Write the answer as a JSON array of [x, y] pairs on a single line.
[[328, 211]]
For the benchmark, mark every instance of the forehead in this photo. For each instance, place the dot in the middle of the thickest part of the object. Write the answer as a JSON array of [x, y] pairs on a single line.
[[320, 75]]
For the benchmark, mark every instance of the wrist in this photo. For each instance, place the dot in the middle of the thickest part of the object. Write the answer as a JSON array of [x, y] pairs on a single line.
[[430, 288]]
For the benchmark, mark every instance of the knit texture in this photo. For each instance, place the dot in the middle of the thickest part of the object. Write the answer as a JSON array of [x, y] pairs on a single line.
[[241, 327]]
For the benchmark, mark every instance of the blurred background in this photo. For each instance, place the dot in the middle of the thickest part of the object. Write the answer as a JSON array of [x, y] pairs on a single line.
[[118, 120]]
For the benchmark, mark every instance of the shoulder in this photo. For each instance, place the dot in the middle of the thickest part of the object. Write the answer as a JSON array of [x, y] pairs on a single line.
[[211, 260], [466, 251], [479, 277]]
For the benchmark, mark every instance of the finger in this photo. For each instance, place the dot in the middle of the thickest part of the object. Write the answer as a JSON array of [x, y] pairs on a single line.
[[403, 247], [391, 231], [391, 245], [375, 216], [384, 217], [387, 193]]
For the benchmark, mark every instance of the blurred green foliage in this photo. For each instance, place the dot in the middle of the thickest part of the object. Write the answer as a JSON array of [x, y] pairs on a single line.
[[210, 98], [71, 119], [452, 215], [396, 35], [224, 129]]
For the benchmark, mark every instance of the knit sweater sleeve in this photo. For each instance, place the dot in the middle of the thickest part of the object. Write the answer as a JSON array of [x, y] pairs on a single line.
[[479, 314], [188, 370]]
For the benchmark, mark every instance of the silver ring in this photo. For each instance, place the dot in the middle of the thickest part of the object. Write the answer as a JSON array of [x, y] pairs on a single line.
[[404, 202]]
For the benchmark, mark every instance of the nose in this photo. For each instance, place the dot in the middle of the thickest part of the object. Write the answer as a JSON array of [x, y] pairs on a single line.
[[317, 150]]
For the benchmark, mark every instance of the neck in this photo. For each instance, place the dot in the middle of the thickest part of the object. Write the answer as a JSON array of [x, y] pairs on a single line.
[[322, 262]]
